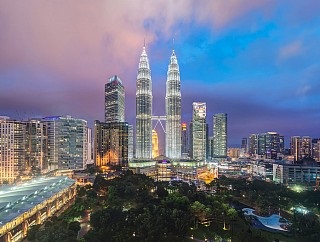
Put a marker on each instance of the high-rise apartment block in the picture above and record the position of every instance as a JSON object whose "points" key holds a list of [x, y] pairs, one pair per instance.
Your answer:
{"points": [[301, 147], [67, 142], [144, 109], [316, 149], [220, 135], [12, 149], [199, 131], [114, 100], [173, 110]]}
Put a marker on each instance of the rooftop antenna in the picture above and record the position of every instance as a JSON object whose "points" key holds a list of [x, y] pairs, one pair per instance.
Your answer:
{"points": [[172, 43], [144, 42]]}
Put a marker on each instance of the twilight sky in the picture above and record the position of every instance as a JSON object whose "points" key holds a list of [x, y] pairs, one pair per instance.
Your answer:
{"points": [[258, 61]]}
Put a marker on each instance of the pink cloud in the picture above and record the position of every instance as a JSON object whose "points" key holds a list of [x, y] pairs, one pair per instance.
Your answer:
{"points": [[290, 50], [82, 43]]}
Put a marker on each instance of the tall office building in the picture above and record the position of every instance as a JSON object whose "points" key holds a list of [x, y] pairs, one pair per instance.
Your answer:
{"points": [[199, 131], [144, 109], [155, 144], [267, 145], [173, 110], [274, 144], [184, 141], [114, 100], [220, 135], [36, 146], [261, 144], [111, 143], [12, 149], [130, 142], [67, 142], [253, 144], [244, 147]]}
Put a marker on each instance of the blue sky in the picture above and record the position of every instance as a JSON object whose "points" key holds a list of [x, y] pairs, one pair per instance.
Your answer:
{"points": [[257, 61]]}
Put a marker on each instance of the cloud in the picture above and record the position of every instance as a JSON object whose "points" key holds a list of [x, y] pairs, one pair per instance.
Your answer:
{"points": [[290, 50]]}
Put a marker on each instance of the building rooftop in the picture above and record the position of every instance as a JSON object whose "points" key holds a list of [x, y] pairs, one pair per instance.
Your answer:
{"points": [[17, 199]]}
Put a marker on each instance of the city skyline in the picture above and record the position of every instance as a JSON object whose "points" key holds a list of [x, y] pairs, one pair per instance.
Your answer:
{"points": [[257, 62]]}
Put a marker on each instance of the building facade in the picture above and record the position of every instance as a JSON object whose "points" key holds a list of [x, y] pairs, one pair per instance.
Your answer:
{"points": [[173, 110], [114, 100], [220, 135], [111, 143], [144, 109], [184, 141], [36, 146], [130, 143], [198, 131], [301, 147], [67, 142], [155, 144], [12, 149], [267, 145]]}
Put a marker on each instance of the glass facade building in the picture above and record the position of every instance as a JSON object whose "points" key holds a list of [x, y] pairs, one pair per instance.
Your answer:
{"points": [[36, 146], [173, 110], [67, 142], [144, 109], [199, 131], [219, 135], [114, 100]]}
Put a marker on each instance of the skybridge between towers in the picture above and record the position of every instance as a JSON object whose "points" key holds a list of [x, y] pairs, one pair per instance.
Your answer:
{"points": [[159, 119]]}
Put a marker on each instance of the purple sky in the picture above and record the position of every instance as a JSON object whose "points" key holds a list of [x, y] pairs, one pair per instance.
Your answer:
{"points": [[257, 60]]}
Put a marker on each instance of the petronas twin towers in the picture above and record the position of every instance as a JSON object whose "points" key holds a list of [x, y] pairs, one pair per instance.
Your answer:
{"points": [[144, 109]]}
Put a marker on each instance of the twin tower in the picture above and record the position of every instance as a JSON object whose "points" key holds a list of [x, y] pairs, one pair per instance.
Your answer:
{"points": [[144, 109]]}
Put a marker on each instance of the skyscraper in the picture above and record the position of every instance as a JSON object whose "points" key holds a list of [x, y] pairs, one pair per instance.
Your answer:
{"points": [[253, 144], [244, 147], [67, 142], [155, 144], [130, 142], [220, 135], [173, 110], [36, 145], [114, 100], [144, 109], [111, 143], [301, 147], [199, 131], [12, 149], [266, 145], [184, 141]]}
